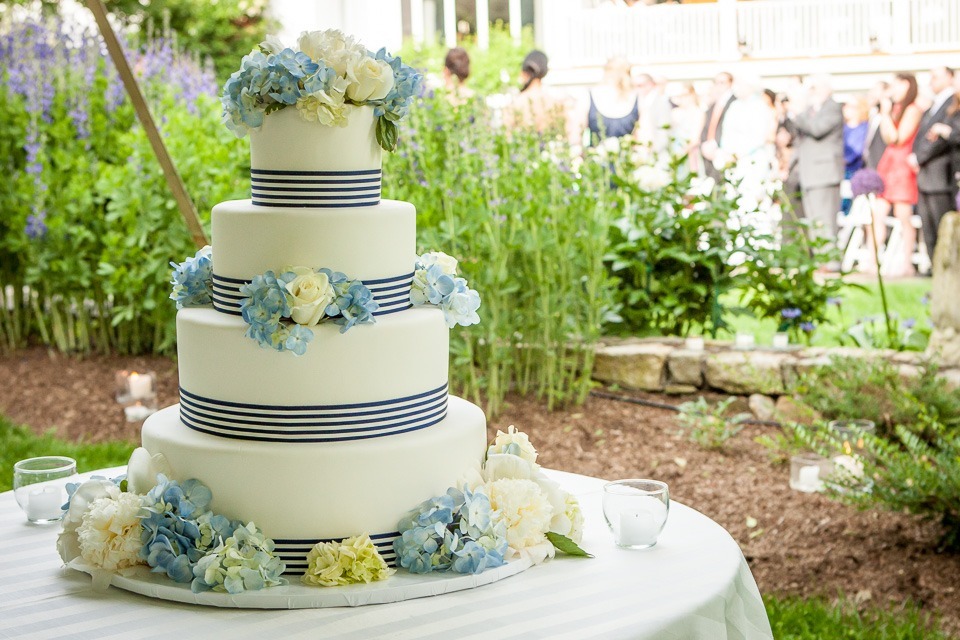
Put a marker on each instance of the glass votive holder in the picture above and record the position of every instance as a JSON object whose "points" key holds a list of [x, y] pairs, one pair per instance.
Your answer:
{"points": [[851, 434], [133, 386], [694, 343], [40, 486], [744, 341], [781, 340], [808, 471], [139, 410], [636, 511]]}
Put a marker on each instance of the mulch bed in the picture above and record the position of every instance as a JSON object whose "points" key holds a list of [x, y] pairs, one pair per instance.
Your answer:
{"points": [[801, 543]]}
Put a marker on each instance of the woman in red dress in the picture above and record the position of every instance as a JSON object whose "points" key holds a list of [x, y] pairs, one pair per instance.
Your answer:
{"points": [[899, 120]]}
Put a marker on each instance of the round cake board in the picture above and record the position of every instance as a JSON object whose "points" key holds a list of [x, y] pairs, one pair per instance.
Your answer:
{"points": [[400, 586]]}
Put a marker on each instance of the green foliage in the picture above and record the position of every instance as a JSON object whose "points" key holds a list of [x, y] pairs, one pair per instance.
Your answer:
{"points": [[18, 443], [492, 71], [708, 426], [793, 618], [853, 388], [782, 444], [530, 232], [889, 332]]}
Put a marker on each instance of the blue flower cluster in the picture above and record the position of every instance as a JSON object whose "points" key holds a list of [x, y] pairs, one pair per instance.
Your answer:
{"points": [[458, 531], [266, 307], [407, 84], [192, 280], [459, 303], [268, 82]]}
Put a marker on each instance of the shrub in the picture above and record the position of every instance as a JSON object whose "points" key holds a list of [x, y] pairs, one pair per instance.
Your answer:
{"points": [[708, 426]]}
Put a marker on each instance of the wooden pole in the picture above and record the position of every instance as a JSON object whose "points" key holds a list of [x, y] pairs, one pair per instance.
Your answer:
{"points": [[174, 181]]}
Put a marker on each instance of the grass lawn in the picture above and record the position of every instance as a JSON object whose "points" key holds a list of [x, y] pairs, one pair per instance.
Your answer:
{"points": [[791, 618], [904, 297]]}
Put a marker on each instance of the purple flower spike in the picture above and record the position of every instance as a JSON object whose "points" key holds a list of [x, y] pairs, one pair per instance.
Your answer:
{"points": [[791, 313], [808, 326]]}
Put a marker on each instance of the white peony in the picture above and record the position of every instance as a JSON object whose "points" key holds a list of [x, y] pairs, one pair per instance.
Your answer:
{"points": [[513, 442], [326, 107], [312, 293], [370, 79], [569, 522], [109, 535], [447, 264], [142, 470], [525, 509], [333, 47], [272, 45], [68, 544]]}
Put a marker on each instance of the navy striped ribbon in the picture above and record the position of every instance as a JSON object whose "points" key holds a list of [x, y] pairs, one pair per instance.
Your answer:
{"points": [[294, 552], [392, 294], [316, 423], [327, 189]]}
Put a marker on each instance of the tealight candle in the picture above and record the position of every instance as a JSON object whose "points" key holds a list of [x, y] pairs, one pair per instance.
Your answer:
{"points": [[137, 412], [849, 464], [809, 480], [781, 341], [694, 343], [44, 504], [640, 526], [744, 341]]}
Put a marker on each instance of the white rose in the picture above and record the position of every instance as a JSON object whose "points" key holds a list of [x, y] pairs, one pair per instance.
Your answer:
{"points": [[326, 107], [333, 47], [448, 264], [272, 45], [142, 470], [370, 79], [514, 442], [311, 292]]}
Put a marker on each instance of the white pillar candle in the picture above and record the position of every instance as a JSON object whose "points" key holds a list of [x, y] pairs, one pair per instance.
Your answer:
{"points": [[809, 479], [781, 341], [640, 524], [744, 341], [141, 386], [694, 344], [44, 504]]}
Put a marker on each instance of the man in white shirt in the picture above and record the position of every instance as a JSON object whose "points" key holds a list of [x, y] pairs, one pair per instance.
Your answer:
{"points": [[713, 123], [931, 157]]}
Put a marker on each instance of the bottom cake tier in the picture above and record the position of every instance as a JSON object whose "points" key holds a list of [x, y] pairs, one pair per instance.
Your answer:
{"points": [[302, 493]]}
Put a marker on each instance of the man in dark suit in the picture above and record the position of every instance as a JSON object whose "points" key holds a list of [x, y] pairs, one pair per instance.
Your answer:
{"points": [[932, 157], [713, 123]]}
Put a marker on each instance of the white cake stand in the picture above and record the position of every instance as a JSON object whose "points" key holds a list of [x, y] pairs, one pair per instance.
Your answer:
{"points": [[400, 586]]}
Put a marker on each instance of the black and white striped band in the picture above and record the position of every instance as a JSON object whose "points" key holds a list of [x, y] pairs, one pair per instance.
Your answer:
{"points": [[324, 189], [294, 552], [317, 423], [392, 294]]}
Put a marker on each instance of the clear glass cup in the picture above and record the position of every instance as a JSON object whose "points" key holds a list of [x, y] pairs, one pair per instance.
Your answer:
{"points": [[851, 432], [808, 471], [40, 486], [636, 511]]}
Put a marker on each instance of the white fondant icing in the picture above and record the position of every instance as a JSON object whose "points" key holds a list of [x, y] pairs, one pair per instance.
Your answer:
{"points": [[287, 142], [368, 242], [401, 355], [315, 491]]}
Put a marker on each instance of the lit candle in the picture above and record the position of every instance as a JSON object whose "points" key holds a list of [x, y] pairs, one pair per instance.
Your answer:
{"points": [[141, 386], [137, 412], [781, 341], [849, 464], [744, 341], [694, 344], [640, 525], [809, 479], [44, 504]]}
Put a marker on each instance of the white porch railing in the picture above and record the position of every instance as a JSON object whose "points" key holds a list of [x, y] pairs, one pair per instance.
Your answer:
{"points": [[757, 29]]}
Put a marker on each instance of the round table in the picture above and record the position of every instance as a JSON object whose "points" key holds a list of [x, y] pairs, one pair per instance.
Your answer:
{"points": [[694, 583]]}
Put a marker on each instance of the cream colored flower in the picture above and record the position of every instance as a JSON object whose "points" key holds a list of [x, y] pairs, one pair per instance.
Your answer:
{"points": [[370, 79], [312, 293], [272, 44], [513, 442], [447, 264], [326, 107], [333, 47], [109, 535], [142, 470], [525, 509], [86, 494], [353, 560], [569, 522]]}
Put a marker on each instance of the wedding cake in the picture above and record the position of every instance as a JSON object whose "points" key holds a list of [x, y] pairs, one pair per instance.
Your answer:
{"points": [[346, 437]]}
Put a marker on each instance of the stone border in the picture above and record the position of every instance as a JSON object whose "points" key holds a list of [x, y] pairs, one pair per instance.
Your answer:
{"points": [[664, 365]]}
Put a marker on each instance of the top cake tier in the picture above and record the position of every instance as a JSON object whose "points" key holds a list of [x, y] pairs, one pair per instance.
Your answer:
{"points": [[295, 163]]}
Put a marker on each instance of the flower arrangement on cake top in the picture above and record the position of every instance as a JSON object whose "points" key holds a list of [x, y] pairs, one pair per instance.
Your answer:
{"points": [[324, 77], [110, 527]]}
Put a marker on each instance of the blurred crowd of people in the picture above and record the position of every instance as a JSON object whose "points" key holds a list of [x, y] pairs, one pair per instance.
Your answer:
{"points": [[804, 140]]}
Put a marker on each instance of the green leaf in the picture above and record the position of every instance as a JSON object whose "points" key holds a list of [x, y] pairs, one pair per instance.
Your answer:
{"points": [[387, 133], [566, 545]]}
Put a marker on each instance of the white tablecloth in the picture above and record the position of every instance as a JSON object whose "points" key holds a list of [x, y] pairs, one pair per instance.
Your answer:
{"points": [[694, 583]]}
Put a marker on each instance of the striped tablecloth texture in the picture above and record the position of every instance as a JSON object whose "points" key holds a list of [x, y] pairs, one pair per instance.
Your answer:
{"points": [[694, 584]]}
